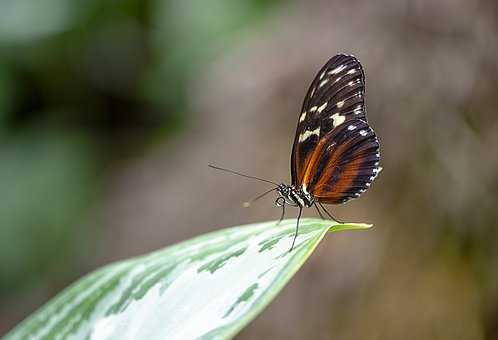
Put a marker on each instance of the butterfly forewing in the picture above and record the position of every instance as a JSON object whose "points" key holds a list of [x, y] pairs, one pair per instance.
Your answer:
{"points": [[344, 163], [335, 96]]}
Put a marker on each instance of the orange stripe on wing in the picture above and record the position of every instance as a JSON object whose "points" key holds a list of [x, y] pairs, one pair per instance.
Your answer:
{"points": [[343, 184], [310, 170]]}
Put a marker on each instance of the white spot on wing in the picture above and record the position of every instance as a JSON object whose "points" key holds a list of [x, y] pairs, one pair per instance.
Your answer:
{"points": [[338, 119], [303, 117], [351, 71], [375, 173], [321, 108], [338, 69], [313, 109], [307, 134], [352, 127], [363, 133], [323, 82], [340, 104]]}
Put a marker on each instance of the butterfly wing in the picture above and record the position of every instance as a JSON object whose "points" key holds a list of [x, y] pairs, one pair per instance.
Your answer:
{"points": [[343, 164], [335, 96]]}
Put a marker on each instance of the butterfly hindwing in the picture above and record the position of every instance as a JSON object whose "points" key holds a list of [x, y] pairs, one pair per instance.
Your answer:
{"points": [[344, 163], [335, 96]]}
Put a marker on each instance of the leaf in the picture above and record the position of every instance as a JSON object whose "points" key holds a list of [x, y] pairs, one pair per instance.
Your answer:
{"points": [[207, 287]]}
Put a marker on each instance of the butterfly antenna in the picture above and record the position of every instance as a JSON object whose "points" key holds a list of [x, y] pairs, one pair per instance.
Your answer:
{"points": [[248, 203], [241, 174]]}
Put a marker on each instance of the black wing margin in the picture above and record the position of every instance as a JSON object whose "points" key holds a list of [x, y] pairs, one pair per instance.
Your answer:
{"points": [[335, 96]]}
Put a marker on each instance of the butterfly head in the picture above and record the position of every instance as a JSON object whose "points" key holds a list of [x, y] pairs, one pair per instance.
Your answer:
{"points": [[289, 195]]}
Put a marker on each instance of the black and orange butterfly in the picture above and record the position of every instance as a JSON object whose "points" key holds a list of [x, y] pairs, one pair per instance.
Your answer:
{"points": [[335, 156]]}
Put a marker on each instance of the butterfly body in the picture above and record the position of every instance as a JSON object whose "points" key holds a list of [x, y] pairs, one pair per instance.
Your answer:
{"points": [[296, 197], [335, 155]]}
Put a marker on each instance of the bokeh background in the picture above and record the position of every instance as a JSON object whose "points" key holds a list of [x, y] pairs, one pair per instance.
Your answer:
{"points": [[111, 110]]}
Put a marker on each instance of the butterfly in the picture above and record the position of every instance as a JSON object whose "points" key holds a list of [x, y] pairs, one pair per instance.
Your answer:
{"points": [[335, 156]]}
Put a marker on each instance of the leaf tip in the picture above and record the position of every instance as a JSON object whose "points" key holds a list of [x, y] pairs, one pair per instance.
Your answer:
{"points": [[350, 226]]}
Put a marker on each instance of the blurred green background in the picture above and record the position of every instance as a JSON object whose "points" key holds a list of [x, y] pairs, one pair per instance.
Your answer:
{"points": [[110, 112]]}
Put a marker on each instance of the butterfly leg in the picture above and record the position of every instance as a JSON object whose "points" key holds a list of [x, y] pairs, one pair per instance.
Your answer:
{"points": [[280, 202], [282, 215], [319, 212], [329, 214], [297, 228]]}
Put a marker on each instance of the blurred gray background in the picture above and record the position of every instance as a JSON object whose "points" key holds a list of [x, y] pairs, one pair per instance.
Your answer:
{"points": [[110, 112]]}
